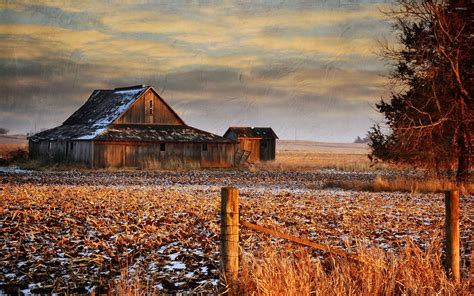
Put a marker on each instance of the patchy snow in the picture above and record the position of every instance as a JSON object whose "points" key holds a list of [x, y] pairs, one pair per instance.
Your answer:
{"points": [[94, 134], [130, 92], [175, 265], [14, 170]]}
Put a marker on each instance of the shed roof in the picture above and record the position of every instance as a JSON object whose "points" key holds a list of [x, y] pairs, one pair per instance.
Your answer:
{"points": [[159, 133], [265, 132], [249, 132]]}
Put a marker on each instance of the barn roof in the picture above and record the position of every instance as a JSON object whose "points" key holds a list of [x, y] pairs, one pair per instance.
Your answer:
{"points": [[159, 133], [69, 132], [104, 106], [249, 132]]}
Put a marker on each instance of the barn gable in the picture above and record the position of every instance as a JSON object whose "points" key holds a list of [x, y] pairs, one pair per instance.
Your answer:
{"points": [[149, 108]]}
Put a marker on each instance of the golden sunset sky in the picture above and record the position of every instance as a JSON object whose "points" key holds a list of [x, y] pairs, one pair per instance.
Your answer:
{"points": [[308, 69]]}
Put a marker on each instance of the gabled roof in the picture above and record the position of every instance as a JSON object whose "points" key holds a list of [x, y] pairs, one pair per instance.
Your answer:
{"points": [[102, 108], [265, 132], [239, 132], [248, 132], [159, 133]]}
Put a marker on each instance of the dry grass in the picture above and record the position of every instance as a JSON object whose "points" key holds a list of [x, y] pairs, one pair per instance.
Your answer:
{"points": [[304, 161], [411, 272], [404, 184], [7, 149]]}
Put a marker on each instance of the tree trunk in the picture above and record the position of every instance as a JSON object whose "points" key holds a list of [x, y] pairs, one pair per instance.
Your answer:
{"points": [[462, 174]]}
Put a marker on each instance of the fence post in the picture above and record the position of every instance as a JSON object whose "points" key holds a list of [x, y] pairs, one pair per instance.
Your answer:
{"points": [[230, 233], [452, 235]]}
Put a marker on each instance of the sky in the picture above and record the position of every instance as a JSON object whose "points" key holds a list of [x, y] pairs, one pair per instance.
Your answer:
{"points": [[308, 69]]}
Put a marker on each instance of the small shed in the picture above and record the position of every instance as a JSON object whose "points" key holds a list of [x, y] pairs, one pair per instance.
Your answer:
{"points": [[258, 143]]}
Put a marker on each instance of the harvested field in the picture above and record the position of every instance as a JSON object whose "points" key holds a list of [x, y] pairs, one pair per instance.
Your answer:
{"points": [[78, 232]]}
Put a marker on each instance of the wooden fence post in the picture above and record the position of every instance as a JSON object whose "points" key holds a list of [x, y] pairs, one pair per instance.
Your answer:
{"points": [[452, 235], [230, 233]]}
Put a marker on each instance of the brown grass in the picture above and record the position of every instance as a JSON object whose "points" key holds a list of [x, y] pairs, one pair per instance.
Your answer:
{"points": [[10, 153], [404, 184], [411, 272], [6, 149], [301, 160]]}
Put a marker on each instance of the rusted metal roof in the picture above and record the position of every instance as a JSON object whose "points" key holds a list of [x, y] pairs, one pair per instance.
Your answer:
{"points": [[249, 132], [159, 133]]}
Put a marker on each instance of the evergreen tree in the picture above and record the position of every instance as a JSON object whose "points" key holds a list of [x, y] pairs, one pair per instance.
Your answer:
{"points": [[429, 116]]}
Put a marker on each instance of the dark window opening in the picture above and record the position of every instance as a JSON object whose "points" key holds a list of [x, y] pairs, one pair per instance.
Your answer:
{"points": [[71, 146], [150, 110], [162, 147], [204, 147]]}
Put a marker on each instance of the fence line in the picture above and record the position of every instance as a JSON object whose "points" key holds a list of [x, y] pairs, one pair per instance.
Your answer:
{"points": [[300, 241], [230, 235]]}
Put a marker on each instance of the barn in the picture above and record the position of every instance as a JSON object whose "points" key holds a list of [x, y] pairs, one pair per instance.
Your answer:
{"points": [[131, 127], [255, 144]]}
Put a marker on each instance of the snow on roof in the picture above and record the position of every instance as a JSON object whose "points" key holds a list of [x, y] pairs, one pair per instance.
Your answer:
{"points": [[101, 109], [104, 106]]}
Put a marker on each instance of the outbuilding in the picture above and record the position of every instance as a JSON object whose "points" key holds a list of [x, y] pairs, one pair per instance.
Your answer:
{"points": [[256, 144]]}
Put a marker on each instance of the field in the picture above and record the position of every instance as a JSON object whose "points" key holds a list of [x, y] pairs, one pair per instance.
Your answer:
{"points": [[102, 231]]}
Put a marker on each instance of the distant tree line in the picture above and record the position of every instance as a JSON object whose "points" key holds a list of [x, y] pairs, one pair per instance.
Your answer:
{"points": [[360, 140]]}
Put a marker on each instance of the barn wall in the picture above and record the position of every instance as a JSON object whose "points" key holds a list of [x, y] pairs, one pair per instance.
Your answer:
{"points": [[80, 152], [149, 156], [139, 112], [267, 149], [61, 151], [252, 145], [34, 149]]}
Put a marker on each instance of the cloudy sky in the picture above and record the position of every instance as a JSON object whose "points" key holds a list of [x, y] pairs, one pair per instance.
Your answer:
{"points": [[309, 69]]}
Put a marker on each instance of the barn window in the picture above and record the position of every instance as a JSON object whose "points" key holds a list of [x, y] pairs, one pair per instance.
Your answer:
{"points": [[204, 147], [71, 146], [150, 108], [162, 147]]}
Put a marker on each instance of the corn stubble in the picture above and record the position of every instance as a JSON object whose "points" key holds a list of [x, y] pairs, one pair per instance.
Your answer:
{"points": [[146, 239]]}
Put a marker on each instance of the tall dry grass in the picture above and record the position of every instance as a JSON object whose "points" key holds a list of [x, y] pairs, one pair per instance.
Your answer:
{"points": [[403, 184], [411, 272]]}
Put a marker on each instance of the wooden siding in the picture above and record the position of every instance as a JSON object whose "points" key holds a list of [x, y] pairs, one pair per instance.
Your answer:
{"points": [[61, 151], [175, 156], [267, 149], [139, 112], [252, 145]]}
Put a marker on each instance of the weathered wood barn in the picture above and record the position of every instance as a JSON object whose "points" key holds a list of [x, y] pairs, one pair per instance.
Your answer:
{"points": [[257, 144], [131, 127]]}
